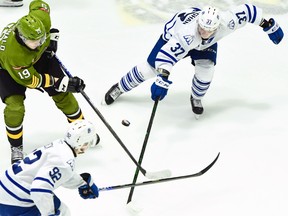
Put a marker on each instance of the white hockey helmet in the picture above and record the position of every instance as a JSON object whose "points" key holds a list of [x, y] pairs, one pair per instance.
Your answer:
{"points": [[209, 18], [80, 133]]}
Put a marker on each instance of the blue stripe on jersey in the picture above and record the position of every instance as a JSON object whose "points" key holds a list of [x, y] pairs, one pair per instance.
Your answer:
{"points": [[14, 195], [166, 28], [255, 14], [249, 12], [16, 184], [168, 55], [41, 190], [251, 15], [164, 60], [44, 179]]}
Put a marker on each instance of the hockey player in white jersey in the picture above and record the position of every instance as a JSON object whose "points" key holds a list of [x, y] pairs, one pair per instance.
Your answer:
{"points": [[26, 188], [192, 33]]}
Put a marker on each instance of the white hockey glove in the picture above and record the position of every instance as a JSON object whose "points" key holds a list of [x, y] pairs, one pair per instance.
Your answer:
{"points": [[53, 46]]}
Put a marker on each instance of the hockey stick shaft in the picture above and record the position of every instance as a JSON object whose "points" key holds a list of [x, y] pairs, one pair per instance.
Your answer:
{"points": [[143, 149], [143, 171], [161, 180]]}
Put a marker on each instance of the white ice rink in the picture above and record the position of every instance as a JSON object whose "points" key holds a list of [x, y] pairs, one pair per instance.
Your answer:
{"points": [[246, 117]]}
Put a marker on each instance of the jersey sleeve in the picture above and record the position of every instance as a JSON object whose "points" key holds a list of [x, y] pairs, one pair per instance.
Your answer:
{"points": [[45, 182], [74, 182], [247, 13]]}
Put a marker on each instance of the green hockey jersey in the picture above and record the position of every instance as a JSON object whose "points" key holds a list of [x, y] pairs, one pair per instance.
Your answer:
{"points": [[17, 58]]}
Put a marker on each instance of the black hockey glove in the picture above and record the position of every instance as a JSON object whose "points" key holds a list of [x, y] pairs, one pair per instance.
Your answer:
{"points": [[75, 84], [54, 37], [72, 84], [89, 190]]}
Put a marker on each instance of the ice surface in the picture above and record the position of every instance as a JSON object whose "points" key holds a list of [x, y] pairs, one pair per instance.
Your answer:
{"points": [[245, 118]]}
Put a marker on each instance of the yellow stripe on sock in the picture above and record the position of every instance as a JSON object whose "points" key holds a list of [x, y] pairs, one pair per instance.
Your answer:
{"points": [[14, 136], [72, 120]]}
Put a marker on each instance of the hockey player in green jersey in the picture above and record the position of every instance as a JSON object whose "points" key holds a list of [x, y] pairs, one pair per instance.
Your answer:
{"points": [[27, 60]]}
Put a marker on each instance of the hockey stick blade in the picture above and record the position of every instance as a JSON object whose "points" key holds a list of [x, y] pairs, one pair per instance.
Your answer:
{"points": [[158, 175], [161, 180]]}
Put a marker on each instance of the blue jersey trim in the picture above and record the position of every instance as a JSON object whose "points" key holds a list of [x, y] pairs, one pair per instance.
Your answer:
{"points": [[16, 184], [14, 195], [41, 190], [168, 55], [45, 180]]}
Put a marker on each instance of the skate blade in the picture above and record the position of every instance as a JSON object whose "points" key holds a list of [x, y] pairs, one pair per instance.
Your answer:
{"points": [[197, 116], [103, 102]]}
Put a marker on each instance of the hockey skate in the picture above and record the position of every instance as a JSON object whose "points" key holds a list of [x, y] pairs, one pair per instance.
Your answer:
{"points": [[197, 107], [113, 93], [11, 3], [16, 154]]}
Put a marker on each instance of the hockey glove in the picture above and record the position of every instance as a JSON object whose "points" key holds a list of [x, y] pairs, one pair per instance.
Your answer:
{"points": [[160, 87], [54, 37], [89, 190], [274, 31], [72, 84]]}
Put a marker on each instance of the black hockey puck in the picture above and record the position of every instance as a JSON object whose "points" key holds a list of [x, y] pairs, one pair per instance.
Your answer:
{"points": [[125, 122]]}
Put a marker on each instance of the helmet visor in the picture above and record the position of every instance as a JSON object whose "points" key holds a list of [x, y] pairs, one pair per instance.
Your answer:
{"points": [[33, 44]]}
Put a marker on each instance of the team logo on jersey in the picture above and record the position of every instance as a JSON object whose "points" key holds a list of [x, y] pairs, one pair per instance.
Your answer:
{"points": [[188, 38], [71, 163], [231, 24]]}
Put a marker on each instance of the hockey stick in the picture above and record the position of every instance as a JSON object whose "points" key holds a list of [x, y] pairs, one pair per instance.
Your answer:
{"points": [[160, 180], [143, 149], [150, 175]]}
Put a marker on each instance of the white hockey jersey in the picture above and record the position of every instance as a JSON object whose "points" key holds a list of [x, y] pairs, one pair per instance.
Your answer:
{"points": [[33, 180], [181, 32]]}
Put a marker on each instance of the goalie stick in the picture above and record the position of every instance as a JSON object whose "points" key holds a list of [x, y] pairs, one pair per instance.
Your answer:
{"points": [[149, 175], [160, 180]]}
